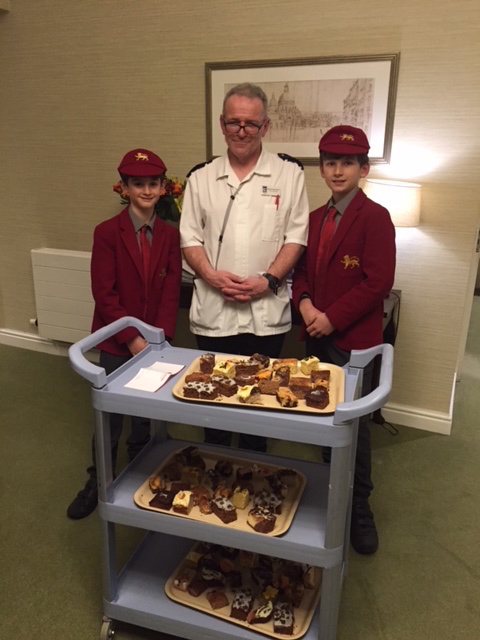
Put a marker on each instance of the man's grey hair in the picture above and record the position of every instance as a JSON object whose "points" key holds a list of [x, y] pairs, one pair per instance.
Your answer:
{"points": [[248, 90]]}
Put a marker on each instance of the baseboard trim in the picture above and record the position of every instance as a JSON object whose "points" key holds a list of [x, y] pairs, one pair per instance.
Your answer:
{"points": [[405, 416], [33, 342]]}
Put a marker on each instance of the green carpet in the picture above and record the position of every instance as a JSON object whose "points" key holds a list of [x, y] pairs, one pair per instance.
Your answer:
{"points": [[424, 582]]}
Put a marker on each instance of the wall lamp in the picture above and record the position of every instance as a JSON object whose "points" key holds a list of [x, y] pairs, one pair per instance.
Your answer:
{"points": [[402, 199]]}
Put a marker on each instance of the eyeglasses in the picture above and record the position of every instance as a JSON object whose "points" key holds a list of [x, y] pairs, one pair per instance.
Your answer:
{"points": [[250, 128]]}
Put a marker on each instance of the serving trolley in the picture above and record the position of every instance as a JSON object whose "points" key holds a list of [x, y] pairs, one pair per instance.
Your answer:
{"points": [[319, 532]]}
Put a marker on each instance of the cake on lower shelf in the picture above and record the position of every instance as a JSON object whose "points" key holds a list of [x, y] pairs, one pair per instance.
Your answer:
{"points": [[263, 593]]}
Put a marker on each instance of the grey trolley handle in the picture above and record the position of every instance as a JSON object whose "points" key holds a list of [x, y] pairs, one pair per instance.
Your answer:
{"points": [[378, 397], [91, 372]]}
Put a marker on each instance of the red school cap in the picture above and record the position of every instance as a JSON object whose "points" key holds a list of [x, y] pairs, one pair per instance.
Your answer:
{"points": [[344, 140], [141, 163]]}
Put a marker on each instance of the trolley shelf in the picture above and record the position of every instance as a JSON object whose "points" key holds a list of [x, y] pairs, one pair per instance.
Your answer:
{"points": [[142, 600], [303, 542]]}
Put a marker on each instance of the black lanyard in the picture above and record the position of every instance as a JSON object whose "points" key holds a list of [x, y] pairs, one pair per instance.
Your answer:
{"points": [[225, 220]]}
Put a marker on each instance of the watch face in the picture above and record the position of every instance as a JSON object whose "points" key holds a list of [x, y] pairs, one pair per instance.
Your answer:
{"points": [[273, 282]]}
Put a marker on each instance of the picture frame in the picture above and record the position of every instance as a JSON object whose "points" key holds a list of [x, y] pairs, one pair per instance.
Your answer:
{"points": [[308, 96]]}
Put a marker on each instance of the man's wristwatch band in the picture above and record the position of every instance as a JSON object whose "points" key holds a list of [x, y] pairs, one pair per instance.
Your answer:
{"points": [[273, 282]]}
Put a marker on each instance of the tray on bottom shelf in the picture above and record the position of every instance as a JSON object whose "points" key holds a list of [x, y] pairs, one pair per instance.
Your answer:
{"points": [[262, 477], [294, 594]]}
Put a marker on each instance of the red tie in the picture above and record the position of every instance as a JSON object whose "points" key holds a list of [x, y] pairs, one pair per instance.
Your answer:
{"points": [[146, 250], [326, 236]]}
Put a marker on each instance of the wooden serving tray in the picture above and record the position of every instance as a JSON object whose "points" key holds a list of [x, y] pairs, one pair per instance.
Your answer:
{"points": [[143, 495], [302, 615], [336, 390]]}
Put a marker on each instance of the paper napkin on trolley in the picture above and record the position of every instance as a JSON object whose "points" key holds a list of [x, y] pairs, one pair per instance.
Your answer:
{"points": [[152, 378]]}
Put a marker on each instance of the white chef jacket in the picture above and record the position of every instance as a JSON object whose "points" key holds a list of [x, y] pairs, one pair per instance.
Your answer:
{"points": [[270, 209]]}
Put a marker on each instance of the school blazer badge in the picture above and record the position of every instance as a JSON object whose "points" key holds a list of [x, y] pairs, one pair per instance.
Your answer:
{"points": [[350, 262]]}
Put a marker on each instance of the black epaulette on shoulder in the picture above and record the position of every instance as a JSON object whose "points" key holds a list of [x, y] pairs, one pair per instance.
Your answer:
{"points": [[198, 166], [285, 156]]}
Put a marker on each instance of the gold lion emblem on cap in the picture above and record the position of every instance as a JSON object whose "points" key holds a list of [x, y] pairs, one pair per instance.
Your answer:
{"points": [[347, 136], [350, 262], [141, 156]]}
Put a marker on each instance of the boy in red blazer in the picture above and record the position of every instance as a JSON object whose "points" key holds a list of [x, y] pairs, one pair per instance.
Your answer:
{"points": [[136, 271], [339, 285]]}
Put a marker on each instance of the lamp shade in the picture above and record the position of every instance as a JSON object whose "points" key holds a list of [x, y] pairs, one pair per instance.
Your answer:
{"points": [[402, 199]]}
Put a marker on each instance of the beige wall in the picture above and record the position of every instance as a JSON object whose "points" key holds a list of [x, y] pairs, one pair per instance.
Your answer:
{"points": [[83, 82]]}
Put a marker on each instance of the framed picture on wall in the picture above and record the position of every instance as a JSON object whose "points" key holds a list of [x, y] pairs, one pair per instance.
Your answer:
{"points": [[308, 96]]}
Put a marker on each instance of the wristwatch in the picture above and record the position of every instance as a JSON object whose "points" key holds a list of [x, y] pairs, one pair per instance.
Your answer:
{"points": [[273, 282]]}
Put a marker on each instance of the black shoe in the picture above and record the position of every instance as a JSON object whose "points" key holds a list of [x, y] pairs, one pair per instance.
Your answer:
{"points": [[363, 532], [85, 502]]}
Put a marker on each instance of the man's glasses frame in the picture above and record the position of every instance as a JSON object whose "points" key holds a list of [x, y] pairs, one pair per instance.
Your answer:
{"points": [[249, 128]]}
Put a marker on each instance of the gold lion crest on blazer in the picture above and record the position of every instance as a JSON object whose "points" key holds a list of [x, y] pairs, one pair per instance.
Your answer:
{"points": [[350, 262]]}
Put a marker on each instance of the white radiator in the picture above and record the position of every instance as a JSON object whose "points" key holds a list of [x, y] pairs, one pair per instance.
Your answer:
{"points": [[63, 294]]}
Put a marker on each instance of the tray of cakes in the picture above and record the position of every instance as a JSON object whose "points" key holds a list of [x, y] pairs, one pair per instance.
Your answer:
{"points": [[306, 385], [224, 490], [264, 594]]}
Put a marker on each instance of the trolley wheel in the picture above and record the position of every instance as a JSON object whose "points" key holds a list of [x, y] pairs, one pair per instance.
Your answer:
{"points": [[107, 631]]}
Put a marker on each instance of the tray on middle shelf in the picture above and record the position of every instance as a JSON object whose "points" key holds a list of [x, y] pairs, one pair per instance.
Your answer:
{"points": [[282, 489]]}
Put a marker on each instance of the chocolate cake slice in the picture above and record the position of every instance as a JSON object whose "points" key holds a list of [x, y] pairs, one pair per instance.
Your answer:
{"points": [[261, 614], [283, 618], [242, 604]]}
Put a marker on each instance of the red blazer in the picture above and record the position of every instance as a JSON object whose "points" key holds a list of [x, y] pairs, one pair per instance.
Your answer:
{"points": [[358, 274], [117, 279]]}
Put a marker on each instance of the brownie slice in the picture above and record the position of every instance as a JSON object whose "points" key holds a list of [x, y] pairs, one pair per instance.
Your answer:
{"points": [[289, 476], [191, 457], [163, 500], [245, 379], [212, 577], [300, 386], [262, 576], [192, 390], [246, 367], [192, 475], [261, 520], [318, 398], [262, 614], [197, 586], [224, 509], [242, 604], [234, 579], [208, 391], [269, 500], [200, 492], [180, 486], [264, 361], [322, 374], [183, 578], [198, 376], [224, 468], [269, 387], [283, 618], [217, 599], [207, 362], [225, 386]]}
